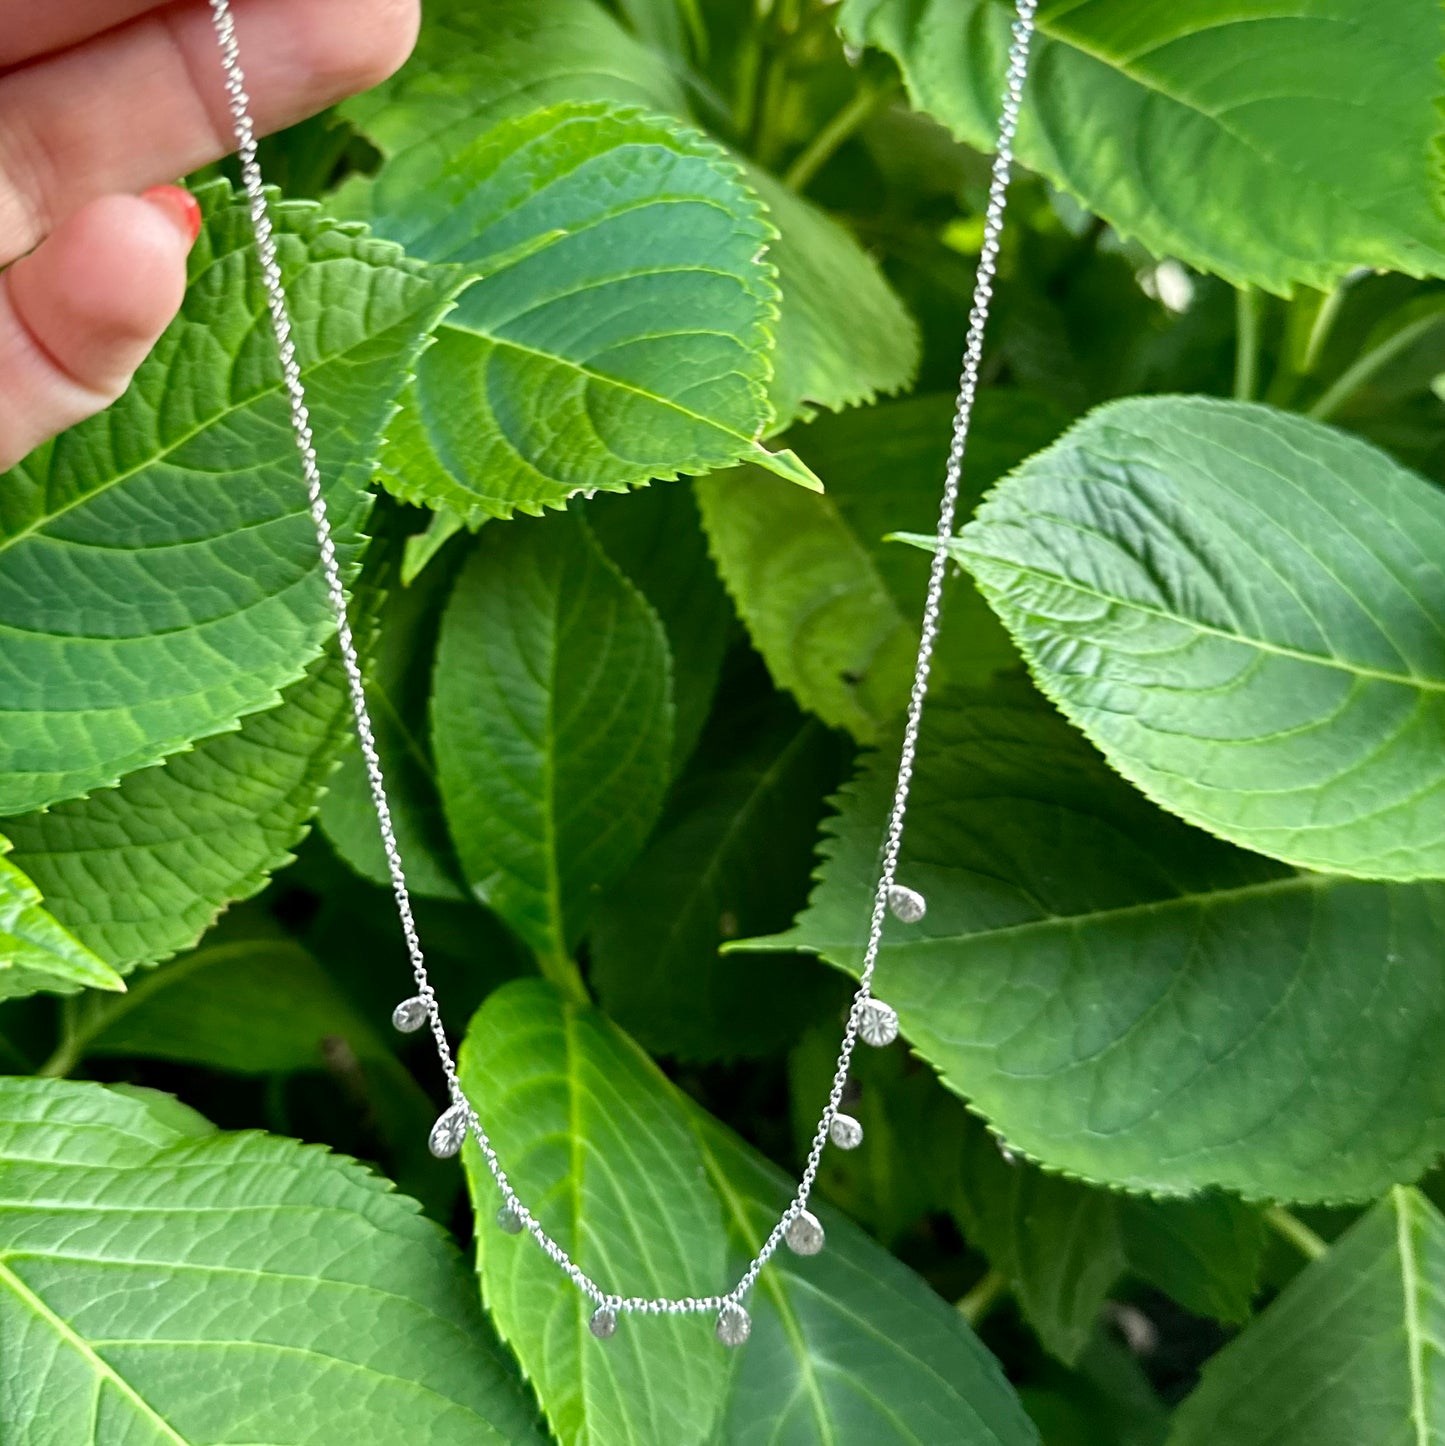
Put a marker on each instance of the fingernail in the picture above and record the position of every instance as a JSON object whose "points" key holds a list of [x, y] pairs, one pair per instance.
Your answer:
{"points": [[180, 206]]}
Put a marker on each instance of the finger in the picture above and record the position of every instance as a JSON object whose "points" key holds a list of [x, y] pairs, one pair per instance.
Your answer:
{"points": [[79, 314], [145, 102], [35, 27]]}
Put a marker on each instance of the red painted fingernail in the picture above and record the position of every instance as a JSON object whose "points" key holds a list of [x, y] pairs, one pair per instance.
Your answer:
{"points": [[180, 206]]}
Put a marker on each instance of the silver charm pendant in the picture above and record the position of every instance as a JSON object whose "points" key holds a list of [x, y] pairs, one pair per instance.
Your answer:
{"points": [[734, 1325], [877, 1023], [448, 1133], [603, 1324], [845, 1132], [805, 1234], [908, 905], [511, 1222], [409, 1015]]}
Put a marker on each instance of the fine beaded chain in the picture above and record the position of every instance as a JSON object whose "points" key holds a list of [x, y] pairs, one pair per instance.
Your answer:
{"points": [[869, 1019]]}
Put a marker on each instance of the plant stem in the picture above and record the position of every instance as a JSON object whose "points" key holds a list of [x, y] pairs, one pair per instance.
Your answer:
{"points": [[820, 150], [1293, 1229], [1246, 343], [67, 1051], [1324, 324], [976, 1305], [560, 969], [1354, 377]]}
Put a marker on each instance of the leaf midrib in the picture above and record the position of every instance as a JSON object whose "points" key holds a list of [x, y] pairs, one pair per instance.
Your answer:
{"points": [[1414, 1334], [1298, 655], [1300, 881], [603, 379], [791, 1327], [84, 1349]]}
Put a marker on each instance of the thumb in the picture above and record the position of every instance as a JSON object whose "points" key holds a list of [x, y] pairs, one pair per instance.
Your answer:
{"points": [[79, 314]]}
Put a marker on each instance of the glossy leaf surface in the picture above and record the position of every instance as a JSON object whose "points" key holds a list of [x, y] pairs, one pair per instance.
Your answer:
{"points": [[1229, 135], [1128, 999], [1243, 609]]}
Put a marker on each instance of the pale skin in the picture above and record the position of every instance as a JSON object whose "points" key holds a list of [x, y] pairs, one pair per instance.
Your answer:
{"points": [[102, 104]]}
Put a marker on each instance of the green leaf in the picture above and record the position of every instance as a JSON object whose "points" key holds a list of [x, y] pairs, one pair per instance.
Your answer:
{"points": [[1107, 1401], [551, 725], [1125, 998], [830, 353], [1242, 609], [158, 576], [422, 547], [599, 1148], [475, 67], [263, 1005], [915, 1131], [472, 68], [730, 858], [397, 689], [36, 952], [1350, 1352], [1231, 136], [848, 1347], [835, 609], [656, 539], [161, 1282], [250, 1005], [1065, 1245], [553, 375], [141, 871]]}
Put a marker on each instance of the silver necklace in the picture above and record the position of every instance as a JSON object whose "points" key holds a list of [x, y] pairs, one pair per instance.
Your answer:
{"points": [[869, 1019]]}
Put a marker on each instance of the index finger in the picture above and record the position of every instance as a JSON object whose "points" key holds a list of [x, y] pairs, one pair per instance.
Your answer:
{"points": [[145, 102], [30, 28]]}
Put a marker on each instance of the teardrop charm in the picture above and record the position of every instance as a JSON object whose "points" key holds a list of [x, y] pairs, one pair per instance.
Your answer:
{"points": [[509, 1220], [804, 1234], [409, 1015], [734, 1324], [603, 1323], [878, 1023], [448, 1133], [907, 904], [845, 1132]]}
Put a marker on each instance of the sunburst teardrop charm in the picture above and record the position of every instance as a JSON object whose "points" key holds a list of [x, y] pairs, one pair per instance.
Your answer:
{"points": [[845, 1132], [409, 1015], [603, 1324], [509, 1220], [908, 905], [734, 1324], [877, 1023], [804, 1234], [448, 1133]]}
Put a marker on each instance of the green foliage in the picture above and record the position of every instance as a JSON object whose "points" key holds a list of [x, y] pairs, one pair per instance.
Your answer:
{"points": [[476, 65], [1126, 998], [1242, 609], [151, 601], [552, 725], [1350, 1352], [141, 871], [591, 298], [224, 1283], [546, 206], [37, 952], [831, 605], [1174, 123], [851, 1347]]}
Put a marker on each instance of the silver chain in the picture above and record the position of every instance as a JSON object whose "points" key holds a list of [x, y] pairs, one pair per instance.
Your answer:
{"points": [[513, 1211]]}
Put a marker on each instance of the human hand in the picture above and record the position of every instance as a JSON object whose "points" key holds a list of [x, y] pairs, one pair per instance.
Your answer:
{"points": [[100, 100]]}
